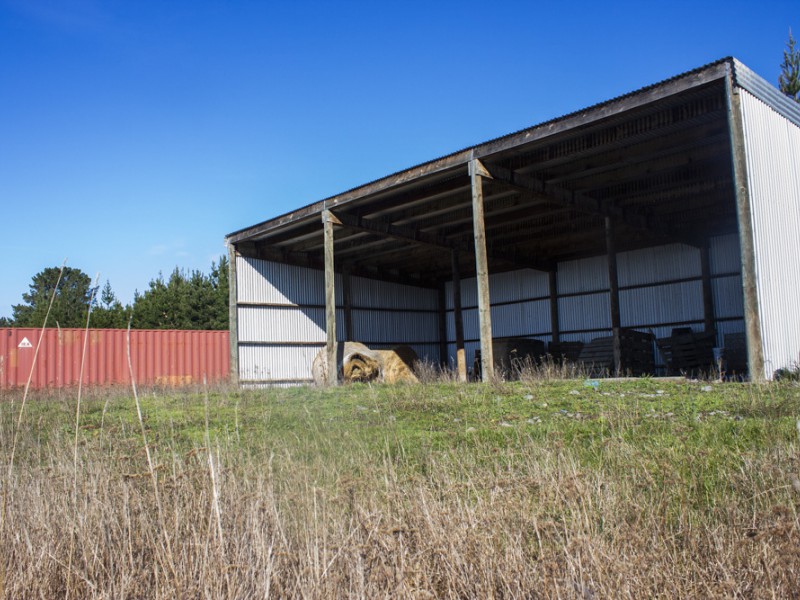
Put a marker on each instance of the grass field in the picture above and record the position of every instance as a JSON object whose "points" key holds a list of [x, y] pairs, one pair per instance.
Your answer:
{"points": [[632, 489]]}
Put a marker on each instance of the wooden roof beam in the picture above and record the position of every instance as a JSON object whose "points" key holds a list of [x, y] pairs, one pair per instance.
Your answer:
{"points": [[584, 203]]}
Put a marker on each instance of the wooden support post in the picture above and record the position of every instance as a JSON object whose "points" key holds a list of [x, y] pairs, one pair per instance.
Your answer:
{"points": [[613, 280], [752, 316], [442, 326], [555, 330], [332, 374], [708, 298], [348, 303], [458, 318], [476, 173], [233, 315]]}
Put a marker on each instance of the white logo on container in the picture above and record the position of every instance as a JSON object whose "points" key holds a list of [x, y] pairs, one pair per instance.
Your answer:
{"points": [[25, 343]]}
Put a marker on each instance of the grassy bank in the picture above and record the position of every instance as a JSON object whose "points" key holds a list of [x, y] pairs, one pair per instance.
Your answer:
{"points": [[547, 489]]}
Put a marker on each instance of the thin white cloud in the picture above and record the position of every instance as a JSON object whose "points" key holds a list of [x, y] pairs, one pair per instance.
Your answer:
{"points": [[67, 15]]}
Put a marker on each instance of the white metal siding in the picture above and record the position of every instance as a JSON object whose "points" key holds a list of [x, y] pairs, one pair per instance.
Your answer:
{"points": [[661, 290], [395, 327], [661, 263], [275, 283], [275, 324], [724, 255], [380, 294], [728, 298], [275, 363], [281, 318], [503, 287], [772, 148], [584, 275], [671, 303]]}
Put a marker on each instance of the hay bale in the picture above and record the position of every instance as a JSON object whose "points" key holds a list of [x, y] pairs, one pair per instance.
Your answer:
{"points": [[363, 365], [354, 360], [398, 365]]}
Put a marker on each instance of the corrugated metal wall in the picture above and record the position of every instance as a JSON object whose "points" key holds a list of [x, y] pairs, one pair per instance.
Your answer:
{"points": [[281, 319], [772, 147], [158, 357], [660, 288]]}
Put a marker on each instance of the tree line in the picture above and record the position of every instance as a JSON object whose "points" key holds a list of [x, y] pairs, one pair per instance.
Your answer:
{"points": [[184, 300]]}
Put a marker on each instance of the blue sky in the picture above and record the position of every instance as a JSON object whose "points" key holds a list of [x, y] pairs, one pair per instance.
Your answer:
{"points": [[134, 135]]}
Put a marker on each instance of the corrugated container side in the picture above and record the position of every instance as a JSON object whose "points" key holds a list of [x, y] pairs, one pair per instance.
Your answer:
{"points": [[772, 148], [160, 357]]}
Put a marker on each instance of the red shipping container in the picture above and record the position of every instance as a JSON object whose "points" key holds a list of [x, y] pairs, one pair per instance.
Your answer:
{"points": [[158, 357]]}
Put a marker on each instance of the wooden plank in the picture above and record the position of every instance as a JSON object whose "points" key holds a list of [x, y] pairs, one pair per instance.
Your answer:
{"points": [[476, 173], [330, 301], [613, 280], [586, 204], [310, 261], [387, 229], [458, 317], [752, 317], [233, 315]]}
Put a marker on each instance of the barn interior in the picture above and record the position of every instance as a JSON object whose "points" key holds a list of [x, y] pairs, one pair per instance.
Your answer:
{"points": [[651, 168]]}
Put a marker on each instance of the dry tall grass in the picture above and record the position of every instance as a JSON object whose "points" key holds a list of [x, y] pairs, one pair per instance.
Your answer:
{"points": [[327, 517]]}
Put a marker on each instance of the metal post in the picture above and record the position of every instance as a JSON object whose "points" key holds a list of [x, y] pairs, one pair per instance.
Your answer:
{"points": [[613, 280], [476, 172], [331, 375], [458, 318]]}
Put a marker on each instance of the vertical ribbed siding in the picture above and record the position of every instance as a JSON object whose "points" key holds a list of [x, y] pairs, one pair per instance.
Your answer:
{"points": [[370, 293], [673, 303], [282, 319], [584, 275], [267, 282], [661, 263], [503, 287], [772, 148], [725, 257], [161, 357], [661, 285]]}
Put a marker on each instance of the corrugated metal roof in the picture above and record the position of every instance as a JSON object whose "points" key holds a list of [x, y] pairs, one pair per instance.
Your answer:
{"points": [[765, 91], [746, 73]]}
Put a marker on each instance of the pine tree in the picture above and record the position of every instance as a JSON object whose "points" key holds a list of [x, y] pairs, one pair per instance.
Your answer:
{"points": [[109, 313], [70, 305], [789, 79], [186, 300]]}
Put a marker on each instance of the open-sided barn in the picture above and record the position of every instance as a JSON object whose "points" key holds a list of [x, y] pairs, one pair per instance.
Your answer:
{"points": [[672, 211]]}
